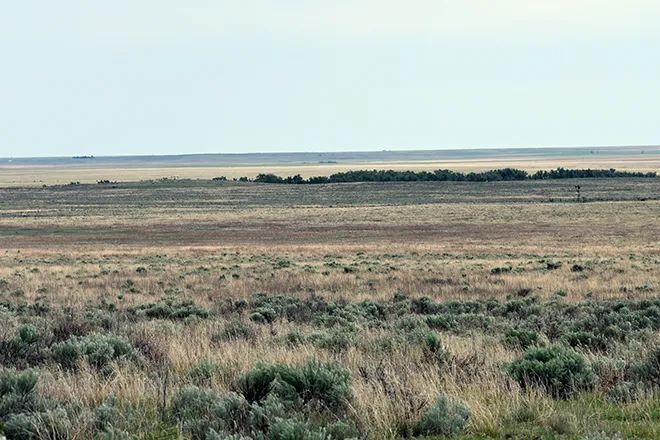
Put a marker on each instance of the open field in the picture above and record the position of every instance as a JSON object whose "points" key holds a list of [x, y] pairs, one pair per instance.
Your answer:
{"points": [[57, 171], [147, 308]]}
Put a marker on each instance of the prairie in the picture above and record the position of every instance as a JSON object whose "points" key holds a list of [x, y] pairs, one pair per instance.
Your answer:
{"points": [[134, 301], [60, 171]]}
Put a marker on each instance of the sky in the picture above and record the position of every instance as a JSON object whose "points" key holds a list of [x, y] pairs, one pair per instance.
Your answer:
{"points": [[119, 77]]}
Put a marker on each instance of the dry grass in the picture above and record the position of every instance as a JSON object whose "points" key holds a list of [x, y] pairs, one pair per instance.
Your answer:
{"points": [[341, 253]]}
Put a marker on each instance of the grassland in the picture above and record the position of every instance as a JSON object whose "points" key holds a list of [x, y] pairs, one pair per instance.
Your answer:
{"points": [[417, 289], [58, 171]]}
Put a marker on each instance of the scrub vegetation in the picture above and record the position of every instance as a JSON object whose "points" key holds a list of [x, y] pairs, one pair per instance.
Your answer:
{"points": [[236, 310]]}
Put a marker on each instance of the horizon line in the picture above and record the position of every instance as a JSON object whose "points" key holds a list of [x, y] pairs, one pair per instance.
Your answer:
{"points": [[90, 156]]}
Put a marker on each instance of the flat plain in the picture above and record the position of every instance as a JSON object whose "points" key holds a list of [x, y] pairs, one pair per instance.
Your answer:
{"points": [[63, 170], [155, 308]]}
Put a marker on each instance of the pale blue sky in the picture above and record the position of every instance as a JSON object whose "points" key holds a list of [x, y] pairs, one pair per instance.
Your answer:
{"points": [[164, 77]]}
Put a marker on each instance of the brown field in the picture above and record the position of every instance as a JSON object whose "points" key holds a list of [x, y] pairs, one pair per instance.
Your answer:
{"points": [[78, 249]]}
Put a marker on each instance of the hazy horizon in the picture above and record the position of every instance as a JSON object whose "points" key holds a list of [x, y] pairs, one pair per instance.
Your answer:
{"points": [[209, 77]]}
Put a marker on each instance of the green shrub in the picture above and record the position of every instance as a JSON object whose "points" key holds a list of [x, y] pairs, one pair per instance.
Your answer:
{"points": [[500, 270], [100, 351], [203, 373], [264, 315], [523, 339], [625, 392], [194, 409], [446, 418], [17, 394], [434, 349], [559, 370], [235, 330], [28, 334], [49, 424], [169, 309], [27, 349], [648, 370], [553, 265], [441, 322], [295, 338], [336, 340], [257, 383], [314, 385], [587, 340], [24, 414]]}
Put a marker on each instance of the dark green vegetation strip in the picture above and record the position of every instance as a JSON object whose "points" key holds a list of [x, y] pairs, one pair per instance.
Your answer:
{"points": [[506, 174]]}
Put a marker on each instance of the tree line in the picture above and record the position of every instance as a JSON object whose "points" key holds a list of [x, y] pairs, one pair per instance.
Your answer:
{"points": [[505, 174]]}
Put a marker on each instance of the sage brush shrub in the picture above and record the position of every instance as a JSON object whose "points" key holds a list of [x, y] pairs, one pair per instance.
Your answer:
{"points": [[100, 351], [235, 330], [17, 392], [204, 372], [520, 338], [447, 417], [24, 415], [318, 385], [648, 370], [49, 424], [559, 370], [256, 384], [27, 349], [434, 349], [314, 385], [194, 408], [169, 309], [625, 392]]}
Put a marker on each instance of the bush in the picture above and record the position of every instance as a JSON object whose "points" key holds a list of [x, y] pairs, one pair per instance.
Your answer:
{"points": [[192, 407], [522, 339], [100, 351], [317, 385], [610, 372], [553, 265], [585, 339], [203, 373], [434, 349], [500, 270], [17, 393], [169, 309], [264, 315], [648, 371], [447, 418], [235, 330], [203, 411], [337, 340], [25, 350], [50, 424], [314, 385], [24, 414], [256, 384], [559, 370], [625, 392]]}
